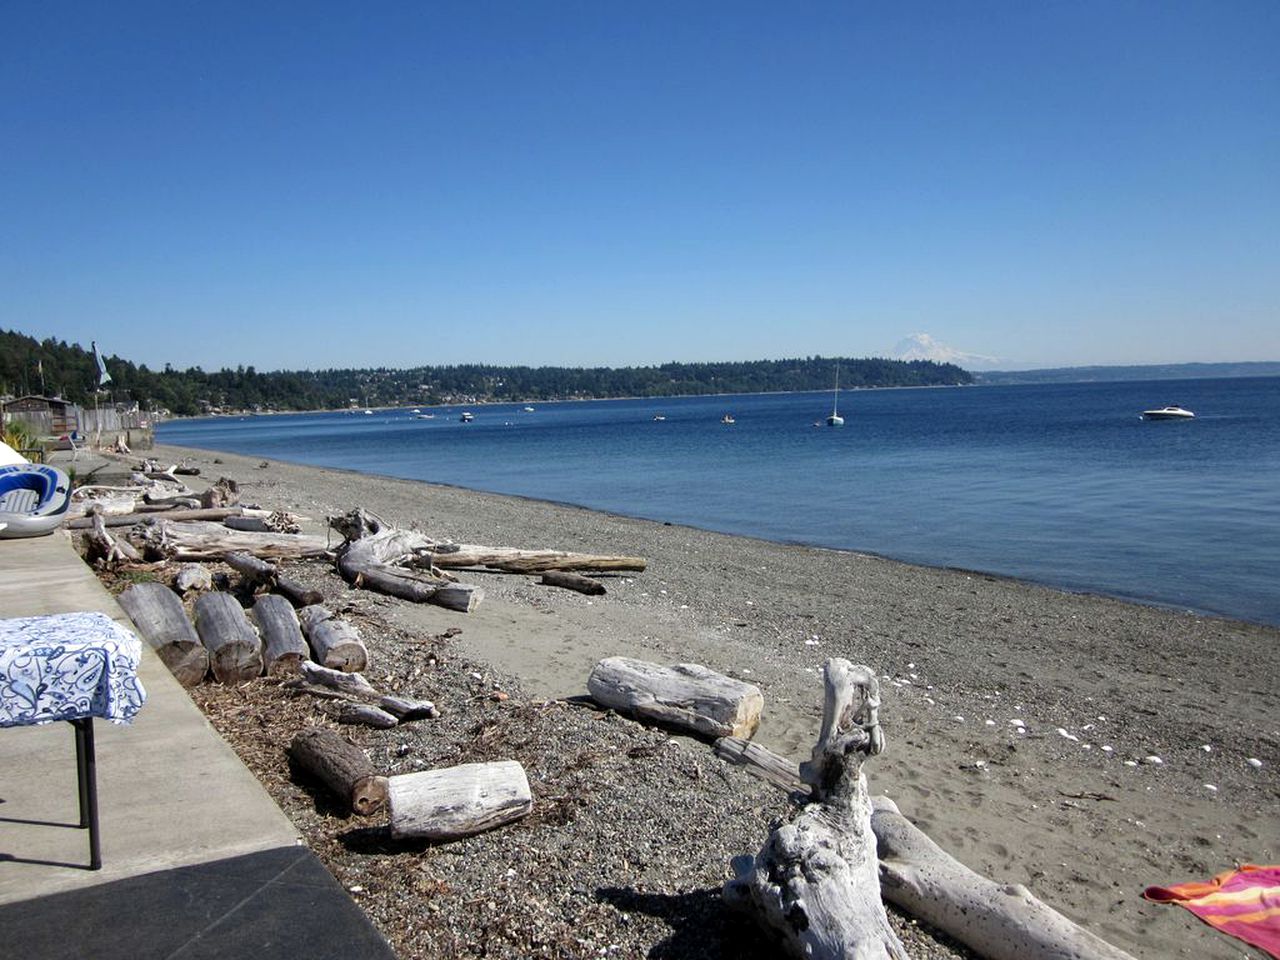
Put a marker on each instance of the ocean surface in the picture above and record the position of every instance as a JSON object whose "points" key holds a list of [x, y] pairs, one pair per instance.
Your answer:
{"points": [[1062, 484]]}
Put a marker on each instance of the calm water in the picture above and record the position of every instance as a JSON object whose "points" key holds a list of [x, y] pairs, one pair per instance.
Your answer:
{"points": [[1063, 484]]}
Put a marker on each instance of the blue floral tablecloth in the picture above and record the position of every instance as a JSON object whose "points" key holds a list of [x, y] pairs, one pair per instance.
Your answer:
{"points": [[67, 667]]}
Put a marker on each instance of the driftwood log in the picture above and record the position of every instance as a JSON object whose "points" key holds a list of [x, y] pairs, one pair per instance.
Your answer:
{"points": [[998, 921], [687, 696], [196, 540], [815, 884], [458, 801], [573, 581], [284, 649], [367, 715], [235, 649], [142, 516], [405, 710], [762, 762], [260, 573], [378, 557], [335, 643], [157, 613], [342, 767], [347, 686], [513, 560]]}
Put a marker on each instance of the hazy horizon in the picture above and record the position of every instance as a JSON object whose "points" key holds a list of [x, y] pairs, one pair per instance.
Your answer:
{"points": [[583, 185]]}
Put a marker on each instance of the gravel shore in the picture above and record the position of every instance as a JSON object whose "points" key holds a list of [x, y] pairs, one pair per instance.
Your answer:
{"points": [[1023, 727]]}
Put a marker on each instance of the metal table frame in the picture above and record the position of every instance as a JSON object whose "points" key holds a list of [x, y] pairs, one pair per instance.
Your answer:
{"points": [[87, 780]]}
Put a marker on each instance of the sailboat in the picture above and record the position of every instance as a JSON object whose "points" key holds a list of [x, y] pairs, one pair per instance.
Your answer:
{"points": [[835, 420]]}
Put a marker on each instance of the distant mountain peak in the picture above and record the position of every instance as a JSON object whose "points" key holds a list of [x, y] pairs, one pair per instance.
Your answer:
{"points": [[921, 346]]}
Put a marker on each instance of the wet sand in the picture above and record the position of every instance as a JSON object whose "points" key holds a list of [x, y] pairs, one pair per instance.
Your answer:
{"points": [[1020, 720]]}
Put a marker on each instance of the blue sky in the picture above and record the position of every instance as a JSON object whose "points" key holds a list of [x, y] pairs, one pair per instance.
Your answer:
{"points": [[395, 184]]}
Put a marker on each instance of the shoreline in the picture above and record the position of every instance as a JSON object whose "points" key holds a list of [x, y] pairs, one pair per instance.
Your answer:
{"points": [[963, 655], [1146, 601]]}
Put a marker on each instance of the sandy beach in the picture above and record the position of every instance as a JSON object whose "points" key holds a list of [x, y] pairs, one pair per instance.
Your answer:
{"points": [[1023, 727]]}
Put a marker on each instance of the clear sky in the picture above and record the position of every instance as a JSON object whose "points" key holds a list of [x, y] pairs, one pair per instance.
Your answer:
{"points": [[394, 184]]}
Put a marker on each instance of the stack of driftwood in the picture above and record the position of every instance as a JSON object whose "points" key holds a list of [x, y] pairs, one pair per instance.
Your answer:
{"points": [[289, 631]]}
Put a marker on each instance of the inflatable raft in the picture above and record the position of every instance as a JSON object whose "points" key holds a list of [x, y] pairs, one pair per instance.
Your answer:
{"points": [[33, 499]]}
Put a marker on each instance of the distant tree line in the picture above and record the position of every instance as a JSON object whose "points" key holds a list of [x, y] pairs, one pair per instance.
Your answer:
{"points": [[53, 366]]}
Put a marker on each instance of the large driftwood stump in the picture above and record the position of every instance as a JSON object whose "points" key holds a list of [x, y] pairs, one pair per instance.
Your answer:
{"points": [[686, 695], [998, 921], [379, 557], [284, 649], [335, 643], [235, 649], [342, 767], [157, 613], [458, 801], [815, 885]]}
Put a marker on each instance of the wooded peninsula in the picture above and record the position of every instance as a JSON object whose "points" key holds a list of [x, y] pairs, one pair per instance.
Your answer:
{"points": [[54, 367]]}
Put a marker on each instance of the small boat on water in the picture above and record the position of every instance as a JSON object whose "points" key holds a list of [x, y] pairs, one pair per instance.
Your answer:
{"points": [[1168, 413], [728, 418], [424, 416], [528, 409], [467, 416], [835, 420], [658, 418], [33, 500]]}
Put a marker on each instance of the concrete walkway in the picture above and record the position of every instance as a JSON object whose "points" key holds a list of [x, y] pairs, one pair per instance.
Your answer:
{"points": [[181, 817]]}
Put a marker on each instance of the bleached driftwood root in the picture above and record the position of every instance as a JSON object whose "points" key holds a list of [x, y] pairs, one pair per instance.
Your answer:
{"points": [[998, 921], [815, 884], [380, 557], [686, 695]]}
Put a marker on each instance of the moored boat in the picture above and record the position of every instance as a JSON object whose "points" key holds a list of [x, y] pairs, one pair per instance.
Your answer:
{"points": [[33, 499]]}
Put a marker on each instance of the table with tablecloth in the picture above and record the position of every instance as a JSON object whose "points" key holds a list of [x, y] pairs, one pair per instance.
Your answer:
{"points": [[72, 667]]}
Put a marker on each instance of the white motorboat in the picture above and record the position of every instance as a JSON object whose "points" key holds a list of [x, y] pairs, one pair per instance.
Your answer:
{"points": [[728, 418], [467, 416], [1168, 413]]}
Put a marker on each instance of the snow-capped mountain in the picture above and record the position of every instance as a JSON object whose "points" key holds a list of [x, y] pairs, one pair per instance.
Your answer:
{"points": [[921, 346]]}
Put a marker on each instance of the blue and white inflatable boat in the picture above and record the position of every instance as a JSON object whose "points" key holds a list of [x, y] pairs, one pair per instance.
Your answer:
{"points": [[33, 499]]}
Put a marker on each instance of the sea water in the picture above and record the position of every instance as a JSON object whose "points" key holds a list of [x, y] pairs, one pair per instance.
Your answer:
{"points": [[1062, 484]]}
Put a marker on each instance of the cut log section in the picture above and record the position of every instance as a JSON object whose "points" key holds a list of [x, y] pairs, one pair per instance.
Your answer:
{"points": [[687, 696], [573, 581], [335, 643], [235, 649], [342, 767], [998, 921], [157, 613], [814, 885], [282, 636], [457, 802]]}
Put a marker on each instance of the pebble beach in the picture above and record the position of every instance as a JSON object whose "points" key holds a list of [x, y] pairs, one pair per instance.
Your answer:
{"points": [[1083, 746]]}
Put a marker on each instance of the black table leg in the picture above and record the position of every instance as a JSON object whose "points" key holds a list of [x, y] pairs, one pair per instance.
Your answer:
{"points": [[87, 775]]}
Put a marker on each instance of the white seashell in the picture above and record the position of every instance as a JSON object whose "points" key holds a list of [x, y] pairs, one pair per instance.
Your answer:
{"points": [[1069, 736], [1206, 748], [1131, 763], [1153, 760], [1254, 762], [1107, 749], [958, 718], [1211, 788]]}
